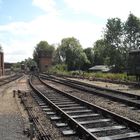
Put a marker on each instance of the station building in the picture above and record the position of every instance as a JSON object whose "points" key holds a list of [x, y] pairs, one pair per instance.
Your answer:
{"points": [[45, 61], [1, 63]]}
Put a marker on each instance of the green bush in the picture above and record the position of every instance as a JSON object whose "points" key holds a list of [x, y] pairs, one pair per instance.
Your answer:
{"points": [[58, 69], [61, 69]]}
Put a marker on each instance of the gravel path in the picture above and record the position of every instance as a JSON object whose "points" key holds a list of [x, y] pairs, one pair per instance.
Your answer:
{"points": [[11, 125]]}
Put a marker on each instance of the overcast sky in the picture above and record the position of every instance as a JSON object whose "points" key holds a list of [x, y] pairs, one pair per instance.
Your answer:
{"points": [[23, 23]]}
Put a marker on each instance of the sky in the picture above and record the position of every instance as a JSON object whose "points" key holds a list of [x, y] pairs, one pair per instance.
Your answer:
{"points": [[24, 23]]}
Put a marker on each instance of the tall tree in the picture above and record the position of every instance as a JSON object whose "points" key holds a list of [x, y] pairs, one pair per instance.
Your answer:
{"points": [[113, 33], [57, 59], [114, 40], [90, 55], [100, 52], [30, 63], [72, 54], [132, 32]]}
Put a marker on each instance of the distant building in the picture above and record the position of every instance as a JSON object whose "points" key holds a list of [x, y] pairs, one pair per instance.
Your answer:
{"points": [[1, 63], [45, 61], [101, 68], [8, 65], [8, 68]]}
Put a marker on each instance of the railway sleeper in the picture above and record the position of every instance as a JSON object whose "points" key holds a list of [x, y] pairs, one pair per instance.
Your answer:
{"points": [[104, 131]]}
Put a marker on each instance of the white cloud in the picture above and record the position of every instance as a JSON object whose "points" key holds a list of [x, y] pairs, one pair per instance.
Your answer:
{"points": [[105, 8], [17, 50], [48, 6], [15, 27], [25, 35]]}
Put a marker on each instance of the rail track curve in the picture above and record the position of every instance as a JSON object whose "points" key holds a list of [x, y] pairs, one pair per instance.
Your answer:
{"points": [[131, 100], [77, 117]]}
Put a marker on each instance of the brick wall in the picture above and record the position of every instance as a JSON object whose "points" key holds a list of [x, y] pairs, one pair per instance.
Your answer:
{"points": [[44, 63]]}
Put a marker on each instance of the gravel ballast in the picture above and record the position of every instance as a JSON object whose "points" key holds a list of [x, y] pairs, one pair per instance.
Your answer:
{"points": [[108, 104]]}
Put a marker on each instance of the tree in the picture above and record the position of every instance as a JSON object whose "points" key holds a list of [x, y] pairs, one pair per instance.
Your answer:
{"points": [[113, 33], [132, 32], [114, 42], [57, 59], [90, 56], [29, 63], [16, 66], [72, 54], [131, 35], [100, 52], [43, 47]]}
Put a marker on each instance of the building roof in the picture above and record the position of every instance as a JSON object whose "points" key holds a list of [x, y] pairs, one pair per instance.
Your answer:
{"points": [[134, 51], [102, 68]]}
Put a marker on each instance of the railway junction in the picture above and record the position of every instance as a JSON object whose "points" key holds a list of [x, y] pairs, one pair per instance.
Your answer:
{"points": [[64, 87], [49, 107]]}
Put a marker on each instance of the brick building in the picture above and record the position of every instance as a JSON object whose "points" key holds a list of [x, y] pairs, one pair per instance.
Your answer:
{"points": [[1, 63], [45, 61]]}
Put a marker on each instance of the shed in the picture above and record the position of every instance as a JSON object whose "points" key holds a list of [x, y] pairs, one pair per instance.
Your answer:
{"points": [[102, 68]]}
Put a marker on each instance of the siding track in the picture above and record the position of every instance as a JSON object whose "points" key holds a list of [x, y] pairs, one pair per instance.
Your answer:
{"points": [[77, 117], [131, 100], [9, 79]]}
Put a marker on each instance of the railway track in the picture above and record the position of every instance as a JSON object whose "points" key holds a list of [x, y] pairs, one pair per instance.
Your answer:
{"points": [[39, 131], [131, 100], [77, 117], [137, 84], [9, 79]]}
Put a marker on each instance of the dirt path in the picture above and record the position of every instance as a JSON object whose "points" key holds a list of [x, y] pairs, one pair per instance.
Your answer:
{"points": [[11, 124]]}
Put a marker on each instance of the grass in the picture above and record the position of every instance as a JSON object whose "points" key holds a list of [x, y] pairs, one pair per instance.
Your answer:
{"points": [[62, 70]]}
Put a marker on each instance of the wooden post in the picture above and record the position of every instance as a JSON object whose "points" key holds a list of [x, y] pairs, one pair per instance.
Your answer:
{"points": [[31, 131], [14, 93]]}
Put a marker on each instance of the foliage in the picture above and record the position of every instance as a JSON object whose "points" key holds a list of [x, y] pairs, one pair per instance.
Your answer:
{"points": [[112, 49], [16, 66], [90, 56], [113, 32], [114, 41], [119, 39], [61, 70], [58, 69], [132, 32], [29, 63], [110, 76], [57, 59], [100, 52], [72, 54]]}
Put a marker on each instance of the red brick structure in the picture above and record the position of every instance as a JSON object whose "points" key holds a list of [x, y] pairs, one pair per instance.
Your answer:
{"points": [[45, 61], [1, 63]]}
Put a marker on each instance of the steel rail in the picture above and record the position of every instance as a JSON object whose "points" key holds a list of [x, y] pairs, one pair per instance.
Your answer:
{"points": [[78, 127], [100, 91], [74, 124], [10, 79], [133, 83]]}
